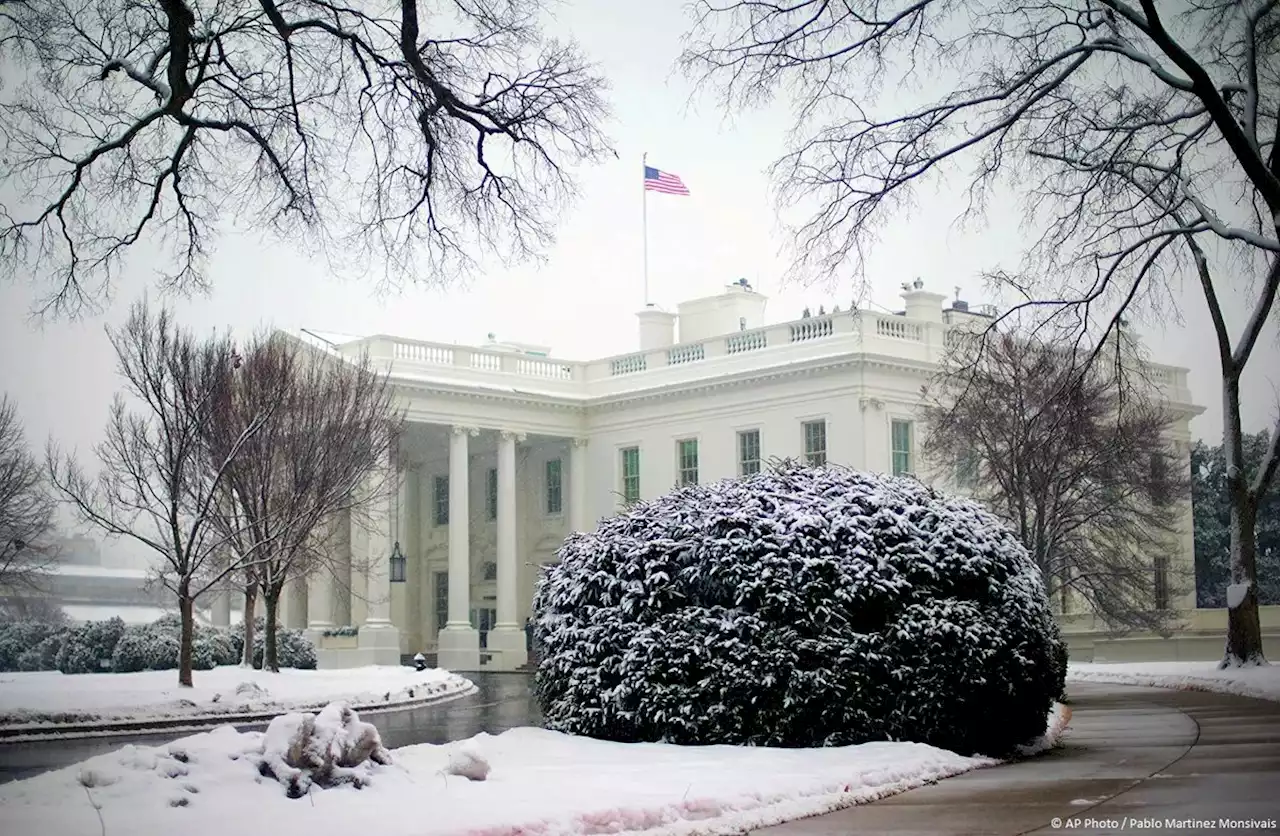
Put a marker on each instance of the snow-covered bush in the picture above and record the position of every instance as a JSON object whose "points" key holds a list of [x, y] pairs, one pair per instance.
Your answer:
{"points": [[293, 648], [798, 607], [21, 638], [156, 647], [44, 656], [87, 647], [326, 749]]}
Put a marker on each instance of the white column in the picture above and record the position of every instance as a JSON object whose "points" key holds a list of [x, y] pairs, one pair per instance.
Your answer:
{"points": [[459, 642], [221, 607], [578, 485], [379, 639], [507, 511], [320, 600], [507, 637]]}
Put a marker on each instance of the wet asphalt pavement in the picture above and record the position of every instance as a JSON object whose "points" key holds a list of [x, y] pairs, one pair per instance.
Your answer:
{"points": [[502, 701]]}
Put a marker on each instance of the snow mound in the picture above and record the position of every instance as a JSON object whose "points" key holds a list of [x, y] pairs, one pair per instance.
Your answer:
{"points": [[544, 784], [467, 761], [326, 749], [799, 607], [1257, 681]]}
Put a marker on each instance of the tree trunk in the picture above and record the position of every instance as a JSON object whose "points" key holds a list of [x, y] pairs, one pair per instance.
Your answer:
{"points": [[186, 611], [270, 659], [1244, 629], [250, 604]]}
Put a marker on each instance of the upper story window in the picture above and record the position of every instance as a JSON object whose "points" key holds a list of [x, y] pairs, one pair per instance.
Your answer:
{"points": [[967, 469], [1161, 590], [491, 493], [630, 475], [748, 452], [687, 461], [900, 445], [815, 443], [442, 500], [555, 491]]}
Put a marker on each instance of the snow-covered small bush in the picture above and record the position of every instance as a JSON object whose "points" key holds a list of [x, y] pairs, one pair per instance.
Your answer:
{"points": [[293, 648], [88, 646], [799, 607], [44, 656], [19, 638], [326, 749]]}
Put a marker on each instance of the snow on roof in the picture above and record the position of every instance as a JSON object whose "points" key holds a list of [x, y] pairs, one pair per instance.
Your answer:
{"points": [[72, 570], [129, 614], [324, 339]]}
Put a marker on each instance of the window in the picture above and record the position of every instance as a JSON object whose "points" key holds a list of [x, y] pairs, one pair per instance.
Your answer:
{"points": [[442, 500], [748, 452], [555, 493], [630, 475], [442, 599], [491, 493], [687, 461], [815, 443], [1161, 567], [489, 571], [967, 469], [900, 432]]}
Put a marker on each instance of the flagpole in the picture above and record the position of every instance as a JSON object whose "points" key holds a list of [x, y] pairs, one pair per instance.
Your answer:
{"points": [[644, 223]]}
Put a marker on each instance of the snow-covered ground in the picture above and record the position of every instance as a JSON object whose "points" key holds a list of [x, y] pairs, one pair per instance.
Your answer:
{"points": [[541, 783], [52, 697], [1261, 682]]}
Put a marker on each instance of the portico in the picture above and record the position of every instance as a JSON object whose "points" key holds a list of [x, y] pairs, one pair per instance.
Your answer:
{"points": [[474, 514]]}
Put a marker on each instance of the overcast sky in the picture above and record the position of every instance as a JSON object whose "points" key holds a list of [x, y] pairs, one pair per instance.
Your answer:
{"points": [[582, 301]]}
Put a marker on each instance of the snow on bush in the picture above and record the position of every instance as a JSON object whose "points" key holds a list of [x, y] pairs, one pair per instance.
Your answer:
{"points": [[326, 749], [799, 607], [19, 641], [88, 648]]}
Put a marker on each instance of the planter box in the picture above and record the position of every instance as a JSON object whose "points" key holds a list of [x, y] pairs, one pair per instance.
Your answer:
{"points": [[339, 642]]}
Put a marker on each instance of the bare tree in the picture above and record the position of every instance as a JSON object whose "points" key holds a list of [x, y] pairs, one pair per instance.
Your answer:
{"points": [[417, 133], [325, 450], [157, 484], [1077, 461], [1142, 135], [26, 509]]}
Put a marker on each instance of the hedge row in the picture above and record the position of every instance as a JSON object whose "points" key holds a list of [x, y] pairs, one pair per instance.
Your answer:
{"points": [[101, 646]]}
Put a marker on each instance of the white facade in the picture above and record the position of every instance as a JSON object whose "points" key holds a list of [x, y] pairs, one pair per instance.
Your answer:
{"points": [[549, 440]]}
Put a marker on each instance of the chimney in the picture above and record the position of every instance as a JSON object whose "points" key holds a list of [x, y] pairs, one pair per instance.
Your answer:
{"points": [[921, 304], [657, 328]]}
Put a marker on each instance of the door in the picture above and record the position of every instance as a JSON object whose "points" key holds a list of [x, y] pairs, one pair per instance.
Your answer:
{"points": [[484, 619]]}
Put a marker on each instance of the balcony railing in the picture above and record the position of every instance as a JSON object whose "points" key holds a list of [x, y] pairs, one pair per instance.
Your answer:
{"points": [[812, 338]]}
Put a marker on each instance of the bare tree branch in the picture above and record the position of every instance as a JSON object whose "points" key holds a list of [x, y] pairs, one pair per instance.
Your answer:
{"points": [[159, 478], [1143, 141], [420, 138], [26, 510]]}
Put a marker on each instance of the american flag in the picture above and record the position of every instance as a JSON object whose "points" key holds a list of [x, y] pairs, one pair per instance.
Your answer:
{"points": [[664, 181]]}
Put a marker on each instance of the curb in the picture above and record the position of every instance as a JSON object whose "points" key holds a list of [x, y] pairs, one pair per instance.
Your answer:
{"points": [[35, 732]]}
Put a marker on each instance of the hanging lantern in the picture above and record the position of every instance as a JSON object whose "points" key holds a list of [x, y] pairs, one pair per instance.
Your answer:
{"points": [[397, 564]]}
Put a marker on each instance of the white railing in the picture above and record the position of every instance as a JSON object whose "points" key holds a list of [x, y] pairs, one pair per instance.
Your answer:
{"points": [[745, 341], [811, 329], [630, 364], [423, 353], [813, 337], [898, 329], [691, 353]]}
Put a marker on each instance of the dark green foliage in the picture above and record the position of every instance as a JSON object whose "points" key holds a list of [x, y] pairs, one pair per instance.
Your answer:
{"points": [[799, 607], [1212, 515], [293, 650], [88, 648], [22, 638]]}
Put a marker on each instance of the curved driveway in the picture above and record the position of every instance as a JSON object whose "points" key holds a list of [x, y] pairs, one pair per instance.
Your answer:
{"points": [[501, 701], [1131, 757], [1148, 754]]}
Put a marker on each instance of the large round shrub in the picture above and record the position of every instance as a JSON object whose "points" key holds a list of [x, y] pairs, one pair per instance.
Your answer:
{"points": [[799, 607]]}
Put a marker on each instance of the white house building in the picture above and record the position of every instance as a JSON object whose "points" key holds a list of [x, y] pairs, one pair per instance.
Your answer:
{"points": [[508, 449]]}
